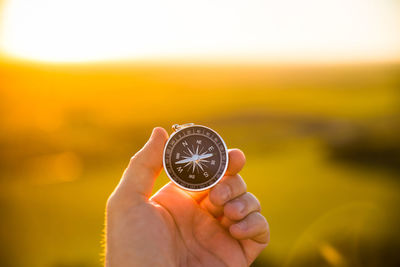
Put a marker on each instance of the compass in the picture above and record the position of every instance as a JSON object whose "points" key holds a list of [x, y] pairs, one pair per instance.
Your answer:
{"points": [[195, 157]]}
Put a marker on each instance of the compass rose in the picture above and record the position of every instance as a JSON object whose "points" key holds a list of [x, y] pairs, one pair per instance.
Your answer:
{"points": [[195, 159]]}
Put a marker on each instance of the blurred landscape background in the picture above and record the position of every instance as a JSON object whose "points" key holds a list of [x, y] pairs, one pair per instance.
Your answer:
{"points": [[322, 142]]}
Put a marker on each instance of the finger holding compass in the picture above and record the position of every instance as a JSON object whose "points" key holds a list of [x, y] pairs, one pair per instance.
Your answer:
{"points": [[231, 185]]}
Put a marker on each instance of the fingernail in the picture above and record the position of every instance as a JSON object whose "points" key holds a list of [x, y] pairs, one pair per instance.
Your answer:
{"points": [[239, 206], [224, 192], [242, 225]]}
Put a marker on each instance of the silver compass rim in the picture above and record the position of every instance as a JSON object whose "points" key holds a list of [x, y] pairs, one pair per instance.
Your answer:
{"points": [[216, 181]]}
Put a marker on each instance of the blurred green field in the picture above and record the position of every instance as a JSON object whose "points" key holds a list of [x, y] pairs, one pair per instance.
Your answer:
{"points": [[322, 146]]}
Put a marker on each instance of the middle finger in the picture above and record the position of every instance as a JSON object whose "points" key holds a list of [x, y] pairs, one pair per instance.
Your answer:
{"points": [[229, 188]]}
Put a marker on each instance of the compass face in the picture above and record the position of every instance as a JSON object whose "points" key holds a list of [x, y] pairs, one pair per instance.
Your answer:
{"points": [[195, 158]]}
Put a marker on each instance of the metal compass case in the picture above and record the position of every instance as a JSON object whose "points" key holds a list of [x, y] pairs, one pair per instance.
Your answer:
{"points": [[195, 157]]}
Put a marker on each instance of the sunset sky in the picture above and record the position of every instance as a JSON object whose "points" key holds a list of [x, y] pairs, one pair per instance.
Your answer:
{"points": [[251, 30]]}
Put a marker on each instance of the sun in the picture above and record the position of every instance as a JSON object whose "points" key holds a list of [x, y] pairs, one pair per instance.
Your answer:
{"points": [[255, 30]]}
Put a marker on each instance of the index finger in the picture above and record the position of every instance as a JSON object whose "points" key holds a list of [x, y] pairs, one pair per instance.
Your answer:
{"points": [[235, 164], [236, 161]]}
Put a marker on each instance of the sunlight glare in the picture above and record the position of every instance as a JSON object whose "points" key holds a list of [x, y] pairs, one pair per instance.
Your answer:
{"points": [[76, 30]]}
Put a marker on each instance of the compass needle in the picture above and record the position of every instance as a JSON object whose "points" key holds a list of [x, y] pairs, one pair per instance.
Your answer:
{"points": [[203, 157], [184, 161]]}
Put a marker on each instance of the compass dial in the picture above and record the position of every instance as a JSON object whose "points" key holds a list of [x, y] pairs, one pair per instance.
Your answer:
{"points": [[195, 158]]}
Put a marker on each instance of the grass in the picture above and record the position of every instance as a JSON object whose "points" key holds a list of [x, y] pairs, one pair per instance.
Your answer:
{"points": [[68, 131]]}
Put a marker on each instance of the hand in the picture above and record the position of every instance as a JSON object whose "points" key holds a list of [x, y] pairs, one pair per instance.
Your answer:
{"points": [[218, 227]]}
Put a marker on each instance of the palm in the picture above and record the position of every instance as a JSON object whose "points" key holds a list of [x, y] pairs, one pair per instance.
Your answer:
{"points": [[199, 238], [177, 228]]}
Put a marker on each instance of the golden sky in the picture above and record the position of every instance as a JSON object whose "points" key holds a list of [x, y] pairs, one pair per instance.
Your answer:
{"points": [[248, 30]]}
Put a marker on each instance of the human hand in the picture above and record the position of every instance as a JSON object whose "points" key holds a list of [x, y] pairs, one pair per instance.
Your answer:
{"points": [[221, 226]]}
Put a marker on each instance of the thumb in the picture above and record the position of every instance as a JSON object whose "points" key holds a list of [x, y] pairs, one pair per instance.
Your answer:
{"points": [[145, 166]]}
